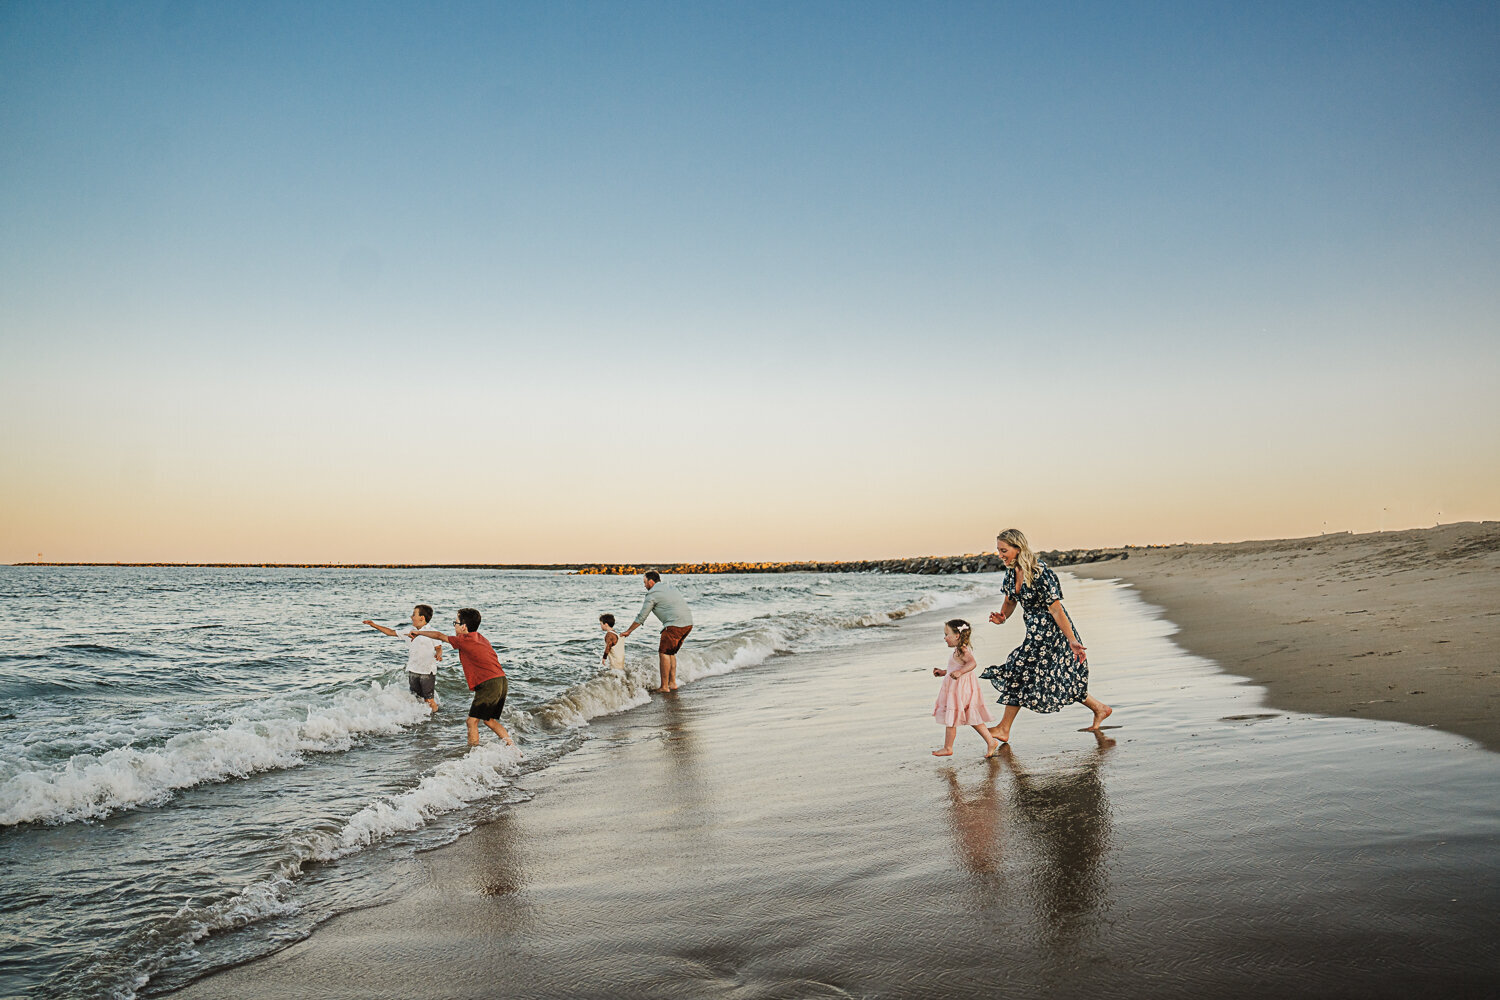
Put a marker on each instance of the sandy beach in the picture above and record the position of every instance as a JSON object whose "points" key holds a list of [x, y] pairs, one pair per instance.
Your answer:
{"points": [[781, 831], [1400, 625]]}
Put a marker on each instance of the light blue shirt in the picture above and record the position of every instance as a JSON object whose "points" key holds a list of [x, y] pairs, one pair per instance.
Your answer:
{"points": [[668, 605]]}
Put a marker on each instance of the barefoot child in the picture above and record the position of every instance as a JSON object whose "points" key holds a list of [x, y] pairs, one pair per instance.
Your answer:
{"points": [[422, 655], [481, 669], [959, 702], [614, 646]]}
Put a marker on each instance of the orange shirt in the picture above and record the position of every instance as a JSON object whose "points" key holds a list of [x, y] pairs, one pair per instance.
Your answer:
{"points": [[477, 657]]}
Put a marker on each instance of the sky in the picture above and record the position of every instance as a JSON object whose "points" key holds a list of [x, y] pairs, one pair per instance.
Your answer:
{"points": [[558, 282]]}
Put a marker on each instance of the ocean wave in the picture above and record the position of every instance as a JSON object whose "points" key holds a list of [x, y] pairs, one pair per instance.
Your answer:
{"points": [[93, 786], [609, 692], [452, 785]]}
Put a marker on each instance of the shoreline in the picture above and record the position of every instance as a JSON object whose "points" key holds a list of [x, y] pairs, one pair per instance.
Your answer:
{"points": [[1396, 625], [781, 831]]}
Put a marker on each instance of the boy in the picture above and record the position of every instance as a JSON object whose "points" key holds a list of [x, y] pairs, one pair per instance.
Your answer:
{"points": [[481, 669], [614, 646], [422, 656]]}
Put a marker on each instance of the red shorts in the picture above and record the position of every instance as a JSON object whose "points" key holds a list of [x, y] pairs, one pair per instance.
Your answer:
{"points": [[671, 639]]}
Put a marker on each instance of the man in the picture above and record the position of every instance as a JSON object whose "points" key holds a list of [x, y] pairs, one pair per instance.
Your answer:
{"points": [[663, 600]]}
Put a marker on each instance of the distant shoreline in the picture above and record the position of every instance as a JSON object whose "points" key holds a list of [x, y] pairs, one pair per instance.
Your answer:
{"points": [[924, 565]]}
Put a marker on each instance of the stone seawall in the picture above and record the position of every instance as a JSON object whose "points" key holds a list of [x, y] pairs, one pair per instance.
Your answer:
{"points": [[930, 565], [981, 563]]}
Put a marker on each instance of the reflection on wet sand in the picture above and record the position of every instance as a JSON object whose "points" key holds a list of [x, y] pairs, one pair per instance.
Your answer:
{"points": [[1054, 826]]}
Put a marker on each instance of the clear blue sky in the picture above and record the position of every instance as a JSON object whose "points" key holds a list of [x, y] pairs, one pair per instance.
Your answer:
{"points": [[867, 278]]}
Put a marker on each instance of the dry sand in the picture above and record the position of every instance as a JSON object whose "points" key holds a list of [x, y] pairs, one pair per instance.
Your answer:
{"points": [[1399, 625]]}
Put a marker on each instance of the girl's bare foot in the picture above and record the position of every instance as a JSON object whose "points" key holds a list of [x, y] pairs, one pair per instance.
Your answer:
{"points": [[945, 752], [1100, 714], [993, 750]]}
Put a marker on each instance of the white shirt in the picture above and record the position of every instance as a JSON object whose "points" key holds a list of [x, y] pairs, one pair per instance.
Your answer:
{"points": [[421, 654]]}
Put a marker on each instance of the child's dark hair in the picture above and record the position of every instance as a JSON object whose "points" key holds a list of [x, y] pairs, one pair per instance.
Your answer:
{"points": [[425, 610], [964, 632], [470, 618], [653, 576], [608, 620]]}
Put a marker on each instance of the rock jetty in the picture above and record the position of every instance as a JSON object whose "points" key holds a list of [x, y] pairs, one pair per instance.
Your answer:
{"points": [[985, 562]]}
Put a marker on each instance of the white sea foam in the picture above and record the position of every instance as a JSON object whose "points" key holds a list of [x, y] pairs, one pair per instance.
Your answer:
{"points": [[453, 784], [609, 693], [91, 786]]}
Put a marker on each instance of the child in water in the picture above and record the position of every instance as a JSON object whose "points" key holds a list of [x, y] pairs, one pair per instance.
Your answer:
{"points": [[959, 701], [614, 646]]}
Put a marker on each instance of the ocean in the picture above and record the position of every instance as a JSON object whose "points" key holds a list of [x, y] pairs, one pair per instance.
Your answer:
{"points": [[199, 765]]}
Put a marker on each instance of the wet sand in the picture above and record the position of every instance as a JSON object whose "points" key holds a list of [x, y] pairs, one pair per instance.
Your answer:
{"points": [[783, 832], [1400, 625]]}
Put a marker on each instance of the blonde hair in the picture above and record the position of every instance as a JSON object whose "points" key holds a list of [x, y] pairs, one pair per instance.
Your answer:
{"points": [[1026, 561], [965, 633]]}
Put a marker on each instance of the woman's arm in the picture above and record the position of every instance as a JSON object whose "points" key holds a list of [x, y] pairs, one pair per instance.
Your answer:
{"points": [[998, 617], [1055, 609]]}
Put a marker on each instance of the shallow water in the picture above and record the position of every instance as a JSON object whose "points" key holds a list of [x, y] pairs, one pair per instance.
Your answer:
{"points": [[782, 832], [197, 765]]}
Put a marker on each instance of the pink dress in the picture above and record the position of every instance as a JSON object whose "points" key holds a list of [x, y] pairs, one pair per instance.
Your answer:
{"points": [[959, 700]]}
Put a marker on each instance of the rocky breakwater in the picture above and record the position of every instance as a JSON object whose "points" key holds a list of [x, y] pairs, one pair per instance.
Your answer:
{"points": [[985, 562]]}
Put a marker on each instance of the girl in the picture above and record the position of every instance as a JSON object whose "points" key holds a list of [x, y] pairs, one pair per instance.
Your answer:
{"points": [[1049, 669], [959, 702]]}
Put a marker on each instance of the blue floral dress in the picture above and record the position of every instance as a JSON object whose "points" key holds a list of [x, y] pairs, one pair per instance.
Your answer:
{"points": [[1042, 673]]}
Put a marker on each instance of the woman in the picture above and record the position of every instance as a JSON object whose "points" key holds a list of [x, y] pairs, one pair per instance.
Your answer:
{"points": [[1049, 669]]}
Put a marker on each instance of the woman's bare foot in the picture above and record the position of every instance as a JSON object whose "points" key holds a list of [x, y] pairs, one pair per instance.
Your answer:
{"points": [[1100, 714], [945, 752], [1001, 733]]}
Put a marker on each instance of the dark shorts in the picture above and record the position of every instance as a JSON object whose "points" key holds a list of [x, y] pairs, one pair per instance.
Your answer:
{"points": [[422, 685], [489, 699], [671, 638]]}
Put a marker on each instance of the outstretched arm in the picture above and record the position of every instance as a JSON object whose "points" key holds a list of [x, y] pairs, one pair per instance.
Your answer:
{"points": [[998, 617], [440, 637], [1055, 609], [380, 628]]}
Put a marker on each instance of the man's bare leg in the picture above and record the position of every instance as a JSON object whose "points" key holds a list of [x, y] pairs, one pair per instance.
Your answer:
{"points": [[431, 703], [666, 678], [473, 731], [672, 672]]}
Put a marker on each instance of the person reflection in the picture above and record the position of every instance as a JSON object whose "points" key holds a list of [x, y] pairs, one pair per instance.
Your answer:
{"points": [[1066, 817], [974, 819]]}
